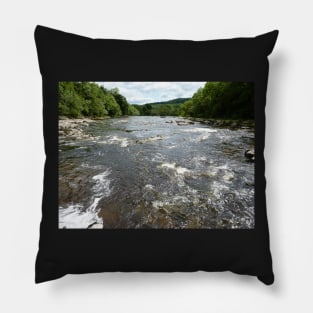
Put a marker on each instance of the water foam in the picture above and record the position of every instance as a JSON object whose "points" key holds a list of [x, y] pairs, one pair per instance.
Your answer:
{"points": [[123, 142], [178, 171], [199, 130], [102, 186], [149, 187], [76, 216]]}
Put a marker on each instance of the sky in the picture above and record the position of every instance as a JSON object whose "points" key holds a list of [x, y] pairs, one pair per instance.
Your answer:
{"points": [[145, 92]]}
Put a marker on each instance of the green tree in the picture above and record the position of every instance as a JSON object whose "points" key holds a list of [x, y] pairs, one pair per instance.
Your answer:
{"points": [[89, 99], [112, 106], [70, 103], [146, 110], [132, 110], [233, 100], [121, 100]]}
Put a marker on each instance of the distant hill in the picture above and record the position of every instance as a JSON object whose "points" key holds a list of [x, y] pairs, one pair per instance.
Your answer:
{"points": [[173, 101], [164, 108]]}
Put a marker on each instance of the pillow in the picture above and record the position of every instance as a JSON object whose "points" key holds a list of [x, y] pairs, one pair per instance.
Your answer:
{"points": [[154, 155]]}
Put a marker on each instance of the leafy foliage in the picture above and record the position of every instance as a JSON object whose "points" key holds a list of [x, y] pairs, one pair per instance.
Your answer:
{"points": [[230, 100], [224, 100], [173, 101], [78, 99], [233, 100], [132, 110], [70, 103], [121, 100], [167, 108]]}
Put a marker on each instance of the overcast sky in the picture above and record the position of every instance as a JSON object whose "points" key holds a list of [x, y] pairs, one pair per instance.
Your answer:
{"points": [[143, 92]]}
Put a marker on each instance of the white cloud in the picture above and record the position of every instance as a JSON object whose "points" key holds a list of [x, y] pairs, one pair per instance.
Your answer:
{"points": [[143, 92]]}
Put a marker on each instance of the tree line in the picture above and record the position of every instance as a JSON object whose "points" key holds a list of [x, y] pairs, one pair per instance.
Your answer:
{"points": [[223, 100], [164, 108], [169, 109], [79, 99], [230, 100]]}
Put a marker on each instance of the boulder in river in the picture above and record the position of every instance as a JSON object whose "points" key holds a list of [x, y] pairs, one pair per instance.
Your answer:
{"points": [[249, 154], [184, 123], [150, 139]]}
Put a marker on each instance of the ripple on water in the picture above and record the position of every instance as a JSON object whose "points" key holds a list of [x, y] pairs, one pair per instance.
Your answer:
{"points": [[177, 173], [169, 177], [122, 141], [199, 130]]}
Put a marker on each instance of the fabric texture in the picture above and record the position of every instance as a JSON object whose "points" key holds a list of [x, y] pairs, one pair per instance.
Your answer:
{"points": [[65, 57]]}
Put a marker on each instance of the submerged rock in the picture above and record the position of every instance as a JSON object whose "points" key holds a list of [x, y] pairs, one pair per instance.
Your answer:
{"points": [[162, 211]]}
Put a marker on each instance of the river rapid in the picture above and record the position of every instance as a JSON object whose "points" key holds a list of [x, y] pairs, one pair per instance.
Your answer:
{"points": [[153, 172]]}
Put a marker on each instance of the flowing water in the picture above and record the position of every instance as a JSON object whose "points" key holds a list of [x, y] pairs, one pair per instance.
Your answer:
{"points": [[150, 172]]}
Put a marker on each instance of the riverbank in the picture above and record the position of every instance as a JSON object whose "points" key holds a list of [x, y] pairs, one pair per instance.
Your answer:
{"points": [[224, 123], [69, 123], [74, 127]]}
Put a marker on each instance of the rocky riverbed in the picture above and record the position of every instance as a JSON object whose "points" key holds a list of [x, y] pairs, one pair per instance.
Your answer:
{"points": [[152, 172]]}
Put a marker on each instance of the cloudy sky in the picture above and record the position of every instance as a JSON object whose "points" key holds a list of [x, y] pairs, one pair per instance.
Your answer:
{"points": [[143, 92]]}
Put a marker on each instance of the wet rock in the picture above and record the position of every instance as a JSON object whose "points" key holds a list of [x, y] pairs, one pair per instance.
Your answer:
{"points": [[163, 211], [193, 223], [146, 226], [249, 154], [212, 210], [73, 128], [95, 226], [150, 139], [161, 222], [110, 215], [228, 176], [226, 123], [178, 216], [184, 123]]}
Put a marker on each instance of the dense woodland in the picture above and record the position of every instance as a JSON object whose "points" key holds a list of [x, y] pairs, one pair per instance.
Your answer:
{"points": [[78, 99], [229, 100], [166, 108]]}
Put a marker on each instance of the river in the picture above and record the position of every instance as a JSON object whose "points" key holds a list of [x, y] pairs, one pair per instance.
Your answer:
{"points": [[150, 172]]}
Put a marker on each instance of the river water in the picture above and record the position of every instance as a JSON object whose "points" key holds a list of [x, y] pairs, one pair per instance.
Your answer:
{"points": [[150, 172]]}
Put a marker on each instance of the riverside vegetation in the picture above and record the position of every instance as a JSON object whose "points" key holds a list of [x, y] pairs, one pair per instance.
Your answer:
{"points": [[216, 100]]}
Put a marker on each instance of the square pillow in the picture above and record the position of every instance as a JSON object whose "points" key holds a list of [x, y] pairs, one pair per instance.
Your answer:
{"points": [[154, 155]]}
